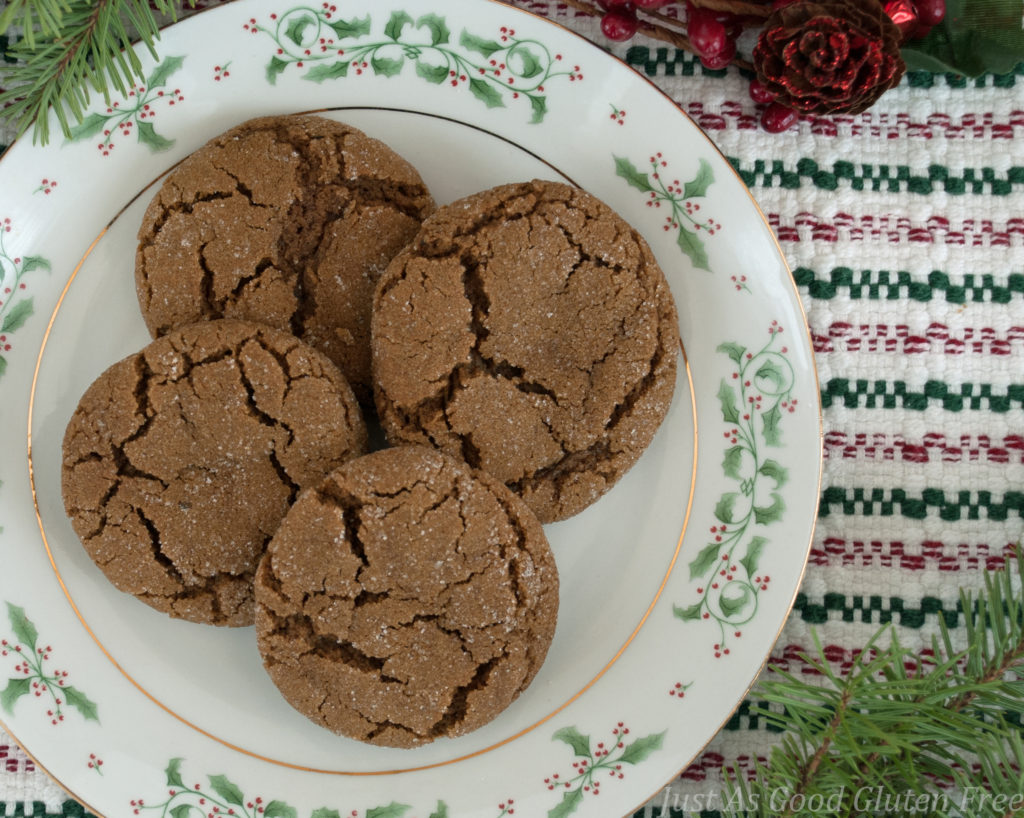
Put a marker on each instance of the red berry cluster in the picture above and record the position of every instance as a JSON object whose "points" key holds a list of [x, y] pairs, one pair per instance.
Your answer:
{"points": [[712, 33], [619, 21]]}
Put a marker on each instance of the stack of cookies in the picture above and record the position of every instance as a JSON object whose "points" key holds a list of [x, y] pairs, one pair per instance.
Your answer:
{"points": [[518, 349]]}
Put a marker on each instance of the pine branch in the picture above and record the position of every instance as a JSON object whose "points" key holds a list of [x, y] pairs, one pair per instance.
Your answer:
{"points": [[69, 49], [902, 726]]}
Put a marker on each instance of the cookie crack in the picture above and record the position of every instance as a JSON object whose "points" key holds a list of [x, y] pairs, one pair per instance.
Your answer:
{"points": [[458, 706]]}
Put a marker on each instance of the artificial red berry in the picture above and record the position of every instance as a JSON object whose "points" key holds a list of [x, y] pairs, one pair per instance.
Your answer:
{"points": [[608, 5], [619, 25], [759, 92], [930, 12], [722, 59], [778, 118], [707, 35]]}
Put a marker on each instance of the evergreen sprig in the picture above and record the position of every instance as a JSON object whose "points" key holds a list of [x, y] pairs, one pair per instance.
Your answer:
{"points": [[70, 48], [937, 733]]}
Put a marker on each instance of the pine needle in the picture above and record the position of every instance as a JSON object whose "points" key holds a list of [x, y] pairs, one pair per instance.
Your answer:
{"points": [[901, 730], [69, 50]]}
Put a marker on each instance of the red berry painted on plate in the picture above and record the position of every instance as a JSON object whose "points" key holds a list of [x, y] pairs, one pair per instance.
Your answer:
{"points": [[778, 118], [619, 25]]}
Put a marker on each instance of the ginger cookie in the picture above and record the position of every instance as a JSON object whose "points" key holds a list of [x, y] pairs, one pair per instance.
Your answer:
{"points": [[528, 330], [406, 598], [180, 461], [283, 220]]}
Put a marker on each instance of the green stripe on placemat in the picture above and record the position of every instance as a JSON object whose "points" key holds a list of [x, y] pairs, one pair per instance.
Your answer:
{"points": [[878, 285], [951, 506], [862, 393], [890, 178], [69, 809]]}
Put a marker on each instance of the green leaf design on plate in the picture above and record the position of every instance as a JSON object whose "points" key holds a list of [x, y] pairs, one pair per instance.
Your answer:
{"points": [[88, 127], [356, 27], [770, 371], [730, 406], [3, 369], [435, 24], [574, 738], [82, 703], [327, 71], [568, 805], [700, 184], [392, 810], [387, 67], [168, 66], [227, 790], [279, 809], [770, 429], [704, 560], [30, 263], [432, 73], [22, 626], [297, 27], [440, 811], [151, 139], [732, 462], [772, 513], [539, 105], [173, 773], [640, 749], [182, 811], [479, 44], [275, 67], [690, 243], [752, 558], [734, 351], [397, 21], [530, 65], [486, 93], [687, 613], [632, 174], [18, 315], [16, 688], [724, 507], [733, 605], [324, 812], [775, 471]]}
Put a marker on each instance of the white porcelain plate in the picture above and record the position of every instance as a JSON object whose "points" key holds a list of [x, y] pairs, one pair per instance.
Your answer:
{"points": [[674, 585]]}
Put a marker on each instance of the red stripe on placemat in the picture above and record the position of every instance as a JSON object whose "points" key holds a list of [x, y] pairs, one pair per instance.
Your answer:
{"points": [[895, 229], [842, 336], [837, 551], [13, 761], [934, 447], [744, 116]]}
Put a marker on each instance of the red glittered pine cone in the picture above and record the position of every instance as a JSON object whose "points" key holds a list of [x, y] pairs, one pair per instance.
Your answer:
{"points": [[829, 56]]}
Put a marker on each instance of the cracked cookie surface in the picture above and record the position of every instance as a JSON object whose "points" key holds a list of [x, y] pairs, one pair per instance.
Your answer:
{"points": [[287, 221], [528, 330], [180, 461], [406, 598]]}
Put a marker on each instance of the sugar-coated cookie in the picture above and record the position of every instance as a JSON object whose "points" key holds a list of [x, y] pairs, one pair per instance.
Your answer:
{"points": [[529, 330], [406, 598], [284, 220], [180, 461]]}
